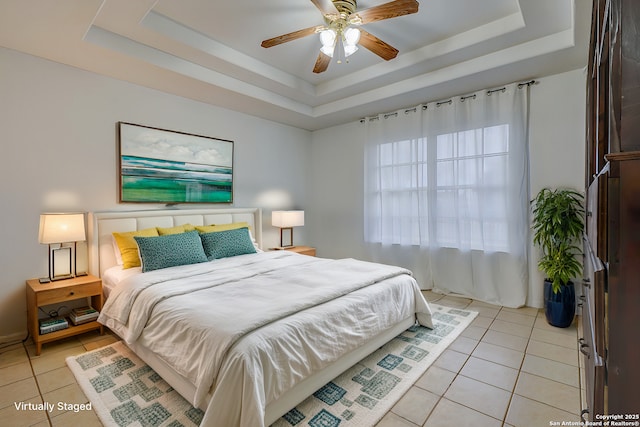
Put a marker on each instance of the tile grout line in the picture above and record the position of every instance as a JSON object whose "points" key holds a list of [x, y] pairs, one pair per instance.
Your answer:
{"points": [[545, 378], [35, 378], [532, 329], [443, 393], [458, 374], [515, 383], [454, 378]]}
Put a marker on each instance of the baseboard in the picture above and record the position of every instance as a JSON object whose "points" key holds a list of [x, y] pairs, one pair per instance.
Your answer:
{"points": [[13, 338]]}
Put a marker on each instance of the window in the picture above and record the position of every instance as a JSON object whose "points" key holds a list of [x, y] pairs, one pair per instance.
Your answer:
{"points": [[458, 179], [470, 183], [449, 182]]}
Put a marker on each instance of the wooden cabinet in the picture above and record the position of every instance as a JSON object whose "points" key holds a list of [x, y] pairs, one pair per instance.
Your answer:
{"points": [[611, 301], [591, 343], [42, 294], [622, 313]]}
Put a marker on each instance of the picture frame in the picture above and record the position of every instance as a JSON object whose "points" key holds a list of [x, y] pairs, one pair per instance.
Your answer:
{"points": [[165, 166]]}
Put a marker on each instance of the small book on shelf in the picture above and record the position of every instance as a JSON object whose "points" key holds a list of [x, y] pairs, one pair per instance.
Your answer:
{"points": [[52, 325], [80, 311], [83, 315]]}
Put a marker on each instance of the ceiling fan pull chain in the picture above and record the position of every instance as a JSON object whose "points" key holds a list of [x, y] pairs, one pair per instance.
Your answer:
{"points": [[340, 48]]}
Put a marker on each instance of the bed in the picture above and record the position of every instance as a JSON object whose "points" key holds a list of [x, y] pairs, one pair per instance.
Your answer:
{"points": [[255, 355]]}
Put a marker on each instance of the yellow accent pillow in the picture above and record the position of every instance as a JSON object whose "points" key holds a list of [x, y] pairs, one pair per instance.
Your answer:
{"points": [[128, 246], [175, 230], [221, 227]]}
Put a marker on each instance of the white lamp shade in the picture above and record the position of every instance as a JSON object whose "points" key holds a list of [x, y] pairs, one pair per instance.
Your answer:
{"points": [[61, 228], [287, 219], [328, 38], [351, 36], [349, 49], [327, 50]]}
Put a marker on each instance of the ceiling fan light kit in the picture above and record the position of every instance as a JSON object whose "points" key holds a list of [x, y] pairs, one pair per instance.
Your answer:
{"points": [[340, 36], [347, 42], [328, 40]]}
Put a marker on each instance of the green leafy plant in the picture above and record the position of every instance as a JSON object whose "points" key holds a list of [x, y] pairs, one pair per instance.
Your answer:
{"points": [[558, 224]]}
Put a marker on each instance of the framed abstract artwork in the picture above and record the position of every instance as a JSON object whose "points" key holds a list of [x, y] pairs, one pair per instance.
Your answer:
{"points": [[164, 166]]}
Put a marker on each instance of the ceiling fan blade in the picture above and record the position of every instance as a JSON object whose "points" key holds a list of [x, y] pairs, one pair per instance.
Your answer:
{"points": [[377, 46], [322, 63], [291, 36], [389, 10], [326, 7]]}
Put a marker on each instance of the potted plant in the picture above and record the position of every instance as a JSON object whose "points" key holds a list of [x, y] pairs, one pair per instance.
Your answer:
{"points": [[558, 223]]}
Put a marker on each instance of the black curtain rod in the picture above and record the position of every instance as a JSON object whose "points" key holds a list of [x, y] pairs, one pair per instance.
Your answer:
{"points": [[449, 101], [529, 83]]}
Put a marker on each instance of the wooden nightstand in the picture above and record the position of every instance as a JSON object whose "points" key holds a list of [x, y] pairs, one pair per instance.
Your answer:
{"points": [[304, 250], [41, 294]]}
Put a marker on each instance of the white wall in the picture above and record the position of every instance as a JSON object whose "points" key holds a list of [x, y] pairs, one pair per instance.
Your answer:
{"points": [[58, 139], [557, 140], [336, 212]]}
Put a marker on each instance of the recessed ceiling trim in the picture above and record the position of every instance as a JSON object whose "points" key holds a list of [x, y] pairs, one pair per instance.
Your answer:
{"points": [[541, 46], [118, 43], [190, 37], [531, 49]]}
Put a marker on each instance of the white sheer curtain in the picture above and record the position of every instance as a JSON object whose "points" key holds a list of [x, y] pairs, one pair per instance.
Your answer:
{"points": [[451, 179]]}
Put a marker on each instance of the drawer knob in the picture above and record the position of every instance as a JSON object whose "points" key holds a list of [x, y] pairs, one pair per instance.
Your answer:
{"points": [[71, 293]]}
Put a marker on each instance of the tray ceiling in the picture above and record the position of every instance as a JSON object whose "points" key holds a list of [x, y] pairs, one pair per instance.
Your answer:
{"points": [[209, 50]]}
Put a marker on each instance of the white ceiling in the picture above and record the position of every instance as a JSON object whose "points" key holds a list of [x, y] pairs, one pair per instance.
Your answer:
{"points": [[209, 50]]}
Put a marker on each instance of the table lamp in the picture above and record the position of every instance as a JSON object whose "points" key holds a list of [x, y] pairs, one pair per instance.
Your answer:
{"points": [[286, 220], [57, 229]]}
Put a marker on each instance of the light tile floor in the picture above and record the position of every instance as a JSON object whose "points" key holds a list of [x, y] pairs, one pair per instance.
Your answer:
{"points": [[25, 377], [508, 368]]}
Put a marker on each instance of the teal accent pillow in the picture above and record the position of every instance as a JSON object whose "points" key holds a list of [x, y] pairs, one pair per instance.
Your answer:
{"points": [[170, 250], [223, 244]]}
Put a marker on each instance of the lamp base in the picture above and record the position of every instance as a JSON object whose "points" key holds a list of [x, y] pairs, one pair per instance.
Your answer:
{"points": [[282, 245], [60, 263], [63, 277]]}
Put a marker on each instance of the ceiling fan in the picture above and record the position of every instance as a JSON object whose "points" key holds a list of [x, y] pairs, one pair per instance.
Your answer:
{"points": [[340, 36]]}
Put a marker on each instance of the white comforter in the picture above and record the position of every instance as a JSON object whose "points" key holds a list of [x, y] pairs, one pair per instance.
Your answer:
{"points": [[230, 326]]}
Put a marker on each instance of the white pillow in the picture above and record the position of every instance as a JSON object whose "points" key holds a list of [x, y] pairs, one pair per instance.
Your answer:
{"points": [[253, 240], [116, 251]]}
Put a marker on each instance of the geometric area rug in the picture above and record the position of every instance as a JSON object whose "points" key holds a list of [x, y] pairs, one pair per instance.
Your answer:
{"points": [[363, 394], [124, 391]]}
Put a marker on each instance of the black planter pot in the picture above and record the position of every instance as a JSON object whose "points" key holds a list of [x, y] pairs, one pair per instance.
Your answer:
{"points": [[559, 308]]}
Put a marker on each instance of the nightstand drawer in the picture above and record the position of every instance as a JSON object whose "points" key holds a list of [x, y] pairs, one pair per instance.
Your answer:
{"points": [[67, 293]]}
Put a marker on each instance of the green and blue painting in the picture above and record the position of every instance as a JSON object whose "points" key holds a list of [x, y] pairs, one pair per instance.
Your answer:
{"points": [[169, 167]]}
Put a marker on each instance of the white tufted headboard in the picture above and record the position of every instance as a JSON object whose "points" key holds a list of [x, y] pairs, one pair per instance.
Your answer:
{"points": [[102, 224]]}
